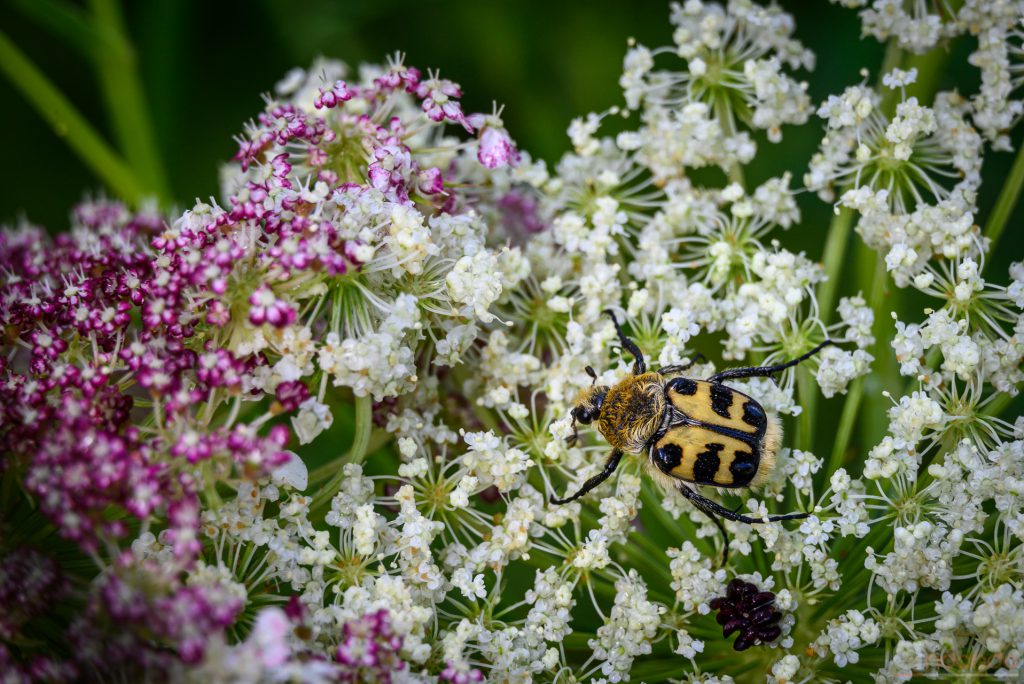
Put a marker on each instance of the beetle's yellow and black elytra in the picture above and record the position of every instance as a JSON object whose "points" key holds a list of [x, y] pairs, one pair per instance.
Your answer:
{"points": [[716, 436], [694, 432]]}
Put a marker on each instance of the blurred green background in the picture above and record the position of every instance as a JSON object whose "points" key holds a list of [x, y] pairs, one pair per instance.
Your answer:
{"points": [[204, 66]]}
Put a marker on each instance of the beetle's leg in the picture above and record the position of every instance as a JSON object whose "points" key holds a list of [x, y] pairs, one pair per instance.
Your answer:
{"points": [[708, 506], [714, 518], [766, 371], [571, 439], [681, 367], [639, 365], [609, 467]]}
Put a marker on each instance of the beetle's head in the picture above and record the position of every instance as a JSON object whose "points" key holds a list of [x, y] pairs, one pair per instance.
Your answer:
{"points": [[588, 405]]}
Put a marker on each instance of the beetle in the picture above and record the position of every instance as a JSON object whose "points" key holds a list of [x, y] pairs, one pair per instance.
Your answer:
{"points": [[694, 432]]}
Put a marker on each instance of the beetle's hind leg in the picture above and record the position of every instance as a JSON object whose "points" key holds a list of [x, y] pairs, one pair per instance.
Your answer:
{"points": [[707, 505], [686, 491], [639, 365], [715, 511], [766, 371]]}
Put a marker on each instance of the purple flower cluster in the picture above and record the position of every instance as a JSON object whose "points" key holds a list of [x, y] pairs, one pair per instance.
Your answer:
{"points": [[369, 649], [101, 381], [96, 332], [154, 612], [305, 175], [143, 619], [140, 619], [334, 149], [39, 668]]}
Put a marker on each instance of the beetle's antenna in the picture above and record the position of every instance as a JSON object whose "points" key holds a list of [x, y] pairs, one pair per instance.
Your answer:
{"points": [[639, 365], [592, 373]]}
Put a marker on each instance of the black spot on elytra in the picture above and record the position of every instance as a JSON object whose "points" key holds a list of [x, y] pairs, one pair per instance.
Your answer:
{"points": [[683, 386], [743, 468], [707, 462], [754, 415], [721, 400], [668, 457]]}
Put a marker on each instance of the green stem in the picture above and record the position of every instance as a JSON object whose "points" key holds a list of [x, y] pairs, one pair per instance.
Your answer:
{"points": [[892, 59], [213, 500], [378, 438], [996, 406], [68, 23], [832, 260], [850, 409], [364, 425], [723, 112], [660, 669], [808, 395], [851, 406], [126, 103], [360, 442], [885, 373], [1007, 201], [68, 123]]}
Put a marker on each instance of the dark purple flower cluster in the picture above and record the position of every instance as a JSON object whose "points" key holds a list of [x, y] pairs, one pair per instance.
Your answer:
{"points": [[39, 668], [748, 611], [30, 584]]}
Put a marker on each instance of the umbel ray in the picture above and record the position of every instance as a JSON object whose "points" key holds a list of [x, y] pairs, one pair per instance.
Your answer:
{"points": [[694, 432]]}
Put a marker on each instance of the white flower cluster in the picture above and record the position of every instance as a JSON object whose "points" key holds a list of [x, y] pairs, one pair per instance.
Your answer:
{"points": [[406, 280], [735, 52], [628, 631]]}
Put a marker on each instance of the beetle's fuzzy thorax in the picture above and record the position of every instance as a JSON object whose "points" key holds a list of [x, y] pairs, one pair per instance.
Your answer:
{"points": [[632, 412]]}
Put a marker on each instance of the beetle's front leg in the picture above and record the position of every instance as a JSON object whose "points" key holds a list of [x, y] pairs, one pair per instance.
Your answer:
{"points": [[609, 467]]}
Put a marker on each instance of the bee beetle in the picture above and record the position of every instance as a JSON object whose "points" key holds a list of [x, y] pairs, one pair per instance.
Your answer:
{"points": [[694, 432]]}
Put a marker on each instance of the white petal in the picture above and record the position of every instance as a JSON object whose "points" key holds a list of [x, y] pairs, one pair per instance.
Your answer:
{"points": [[292, 473]]}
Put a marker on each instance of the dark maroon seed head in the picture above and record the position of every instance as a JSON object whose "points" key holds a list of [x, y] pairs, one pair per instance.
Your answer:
{"points": [[746, 610], [743, 642], [764, 598], [764, 616]]}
